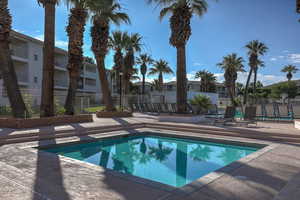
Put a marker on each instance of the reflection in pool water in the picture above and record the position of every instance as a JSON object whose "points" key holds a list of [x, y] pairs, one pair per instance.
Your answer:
{"points": [[171, 161]]}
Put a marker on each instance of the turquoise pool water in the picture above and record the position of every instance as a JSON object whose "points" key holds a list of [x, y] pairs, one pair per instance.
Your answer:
{"points": [[171, 161]]}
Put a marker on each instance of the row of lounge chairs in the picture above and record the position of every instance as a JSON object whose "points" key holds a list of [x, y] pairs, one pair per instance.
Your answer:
{"points": [[230, 112], [157, 107], [276, 112], [263, 112]]}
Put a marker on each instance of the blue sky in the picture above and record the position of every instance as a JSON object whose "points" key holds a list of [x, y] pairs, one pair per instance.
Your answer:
{"points": [[225, 28]]}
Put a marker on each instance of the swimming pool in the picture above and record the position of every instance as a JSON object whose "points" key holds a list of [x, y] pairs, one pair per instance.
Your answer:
{"points": [[168, 160]]}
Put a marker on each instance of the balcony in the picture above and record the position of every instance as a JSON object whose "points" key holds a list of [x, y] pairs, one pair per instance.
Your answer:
{"points": [[22, 72], [60, 62], [90, 85]]}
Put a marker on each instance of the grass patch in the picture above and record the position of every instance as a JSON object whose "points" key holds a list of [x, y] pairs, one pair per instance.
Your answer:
{"points": [[94, 109]]}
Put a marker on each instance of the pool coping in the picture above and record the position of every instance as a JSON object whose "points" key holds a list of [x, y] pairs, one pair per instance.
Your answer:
{"points": [[186, 189]]}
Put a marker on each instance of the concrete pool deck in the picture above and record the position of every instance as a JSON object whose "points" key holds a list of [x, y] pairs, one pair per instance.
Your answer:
{"points": [[28, 174]]}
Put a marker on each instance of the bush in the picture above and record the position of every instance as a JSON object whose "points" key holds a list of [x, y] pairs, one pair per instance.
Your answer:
{"points": [[202, 102], [5, 110], [28, 100], [59, 109]]}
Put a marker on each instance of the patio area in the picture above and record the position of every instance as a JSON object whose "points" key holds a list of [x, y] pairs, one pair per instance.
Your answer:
{"points": [[30, 174]]}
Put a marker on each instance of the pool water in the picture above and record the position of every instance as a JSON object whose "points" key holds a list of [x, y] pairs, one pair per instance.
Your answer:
{"points": [[171, 161]]}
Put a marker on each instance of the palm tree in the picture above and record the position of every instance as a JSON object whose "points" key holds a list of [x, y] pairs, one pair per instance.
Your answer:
{"points": [[182, 12], [104, 13], [201, 153], [208, 81], [133, 45], [231, 64], [144, 60], [155, 85], [47, 99], [7, 69], [160, 67], [117, 42], [290, 70], [298, 6], [255, 49], [160, 152], [75, 30]]}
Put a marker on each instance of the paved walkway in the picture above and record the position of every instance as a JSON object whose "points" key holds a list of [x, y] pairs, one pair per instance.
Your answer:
{"points": [[26, 174]]}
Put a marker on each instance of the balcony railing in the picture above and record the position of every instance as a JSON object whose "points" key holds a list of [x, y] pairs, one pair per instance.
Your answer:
{"points": [[60, 83], [19, 51]]}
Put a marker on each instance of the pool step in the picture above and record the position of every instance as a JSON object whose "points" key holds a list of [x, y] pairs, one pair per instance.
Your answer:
{"points": [[29, 137], [231, 132]]}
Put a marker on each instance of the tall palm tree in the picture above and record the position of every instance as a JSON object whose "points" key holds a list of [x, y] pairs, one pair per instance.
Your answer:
{"points": [[182, 12], [259, 64], [75, 30], [208, 81], [117, 42], [290, 70], [47, 99], [160, 67], [133, 45], [144, 60], [104, 13], [7, 69], [255, 49], [155, 85], [231, 64]]}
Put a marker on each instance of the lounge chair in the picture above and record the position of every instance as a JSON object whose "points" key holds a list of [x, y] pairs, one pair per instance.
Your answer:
{"points": [[284, 113], [189, 108], [270, 113], [174, 107], [228, 116], [260, 112], [249, 116], [296, 111]]}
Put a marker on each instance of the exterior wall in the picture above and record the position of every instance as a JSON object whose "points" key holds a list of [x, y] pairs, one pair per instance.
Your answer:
{"points": [[27, 55], [170, 96]]}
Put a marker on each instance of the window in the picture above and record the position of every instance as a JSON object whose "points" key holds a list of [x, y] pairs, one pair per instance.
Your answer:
{"points": [[4, 91], [35, 79], [36, 57]]}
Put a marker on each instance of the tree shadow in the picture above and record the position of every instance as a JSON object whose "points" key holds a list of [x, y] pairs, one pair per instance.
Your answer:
{"points": [[49, 176]]}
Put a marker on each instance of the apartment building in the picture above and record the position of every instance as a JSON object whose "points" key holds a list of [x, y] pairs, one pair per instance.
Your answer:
{"points": [[27, 55]]}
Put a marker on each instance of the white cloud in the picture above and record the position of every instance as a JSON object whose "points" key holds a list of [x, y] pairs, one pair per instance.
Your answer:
{"points": [[58, 43], [266, 79], [273, 59], [294, 58], [197, 64]]}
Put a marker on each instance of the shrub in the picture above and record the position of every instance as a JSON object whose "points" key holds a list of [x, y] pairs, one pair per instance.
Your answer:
{"points": [[202, 102]]}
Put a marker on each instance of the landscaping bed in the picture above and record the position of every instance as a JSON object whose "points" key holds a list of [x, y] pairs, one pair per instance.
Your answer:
{"points": [[46, 121], [106, 114]]}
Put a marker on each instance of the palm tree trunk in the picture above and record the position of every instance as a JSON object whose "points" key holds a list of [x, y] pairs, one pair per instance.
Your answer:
{"points": [[143, 85], [247, 86], [75, 31], [7, 69], [107, 98], [254, 84], [161, 81], [71, 96], [47, 99], [181, 80], [10, 81]]}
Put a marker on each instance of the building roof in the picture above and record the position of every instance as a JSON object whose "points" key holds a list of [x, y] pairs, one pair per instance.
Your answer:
{"points": [[31, 39]]}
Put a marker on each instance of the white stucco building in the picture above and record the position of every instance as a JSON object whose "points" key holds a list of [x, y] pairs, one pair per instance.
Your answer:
{"points": [[27, 55]]}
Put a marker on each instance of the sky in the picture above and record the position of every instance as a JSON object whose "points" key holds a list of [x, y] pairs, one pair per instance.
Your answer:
{"points": [[226, 28]]}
